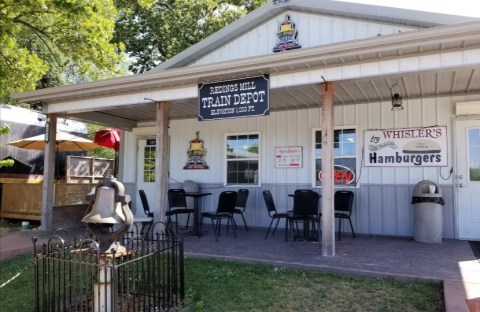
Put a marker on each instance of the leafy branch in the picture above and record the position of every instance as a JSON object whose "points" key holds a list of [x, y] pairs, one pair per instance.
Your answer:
{"points": [[5, 129]]}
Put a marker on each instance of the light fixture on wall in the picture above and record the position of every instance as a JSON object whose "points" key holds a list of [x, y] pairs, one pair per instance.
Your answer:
{"points": [[47, 130], [396, 94]]}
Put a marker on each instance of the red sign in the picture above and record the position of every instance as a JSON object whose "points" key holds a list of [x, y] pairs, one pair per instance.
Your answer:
{"points": [[341, 175]]}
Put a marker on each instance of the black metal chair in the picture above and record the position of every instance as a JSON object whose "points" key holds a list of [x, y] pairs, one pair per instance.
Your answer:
{"points": [[305, 210], [225, 210], [145, 221], [274, 214], [240, 205], [343, 209], [177, 204], [303, 190]]}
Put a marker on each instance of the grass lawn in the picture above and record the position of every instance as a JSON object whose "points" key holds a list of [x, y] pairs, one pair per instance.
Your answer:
{"points": [[213, 285]]}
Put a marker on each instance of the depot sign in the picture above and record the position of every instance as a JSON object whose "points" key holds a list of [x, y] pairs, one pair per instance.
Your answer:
{"points": [[234, 98]]}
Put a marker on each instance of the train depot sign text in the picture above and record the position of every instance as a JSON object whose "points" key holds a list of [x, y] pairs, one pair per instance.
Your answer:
{"points": [[234, 98]]}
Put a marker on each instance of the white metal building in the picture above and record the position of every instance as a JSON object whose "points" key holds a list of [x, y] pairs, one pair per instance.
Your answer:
{"points": [[368, 53]]}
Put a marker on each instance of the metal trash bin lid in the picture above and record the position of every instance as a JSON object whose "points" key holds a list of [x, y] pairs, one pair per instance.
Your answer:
{"points": [[421, 189], [421, 193]]}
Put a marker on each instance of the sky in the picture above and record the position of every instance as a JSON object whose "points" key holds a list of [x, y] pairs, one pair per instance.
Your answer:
{"points": [[454, 7]]}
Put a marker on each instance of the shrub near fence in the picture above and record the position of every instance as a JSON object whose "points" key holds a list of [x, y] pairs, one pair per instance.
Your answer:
{"points": [[149, 276]]}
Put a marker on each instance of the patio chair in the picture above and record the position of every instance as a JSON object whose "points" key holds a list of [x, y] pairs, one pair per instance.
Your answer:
{"points": [[177, 205], [305, 210], [343, 209], [146, 221], [240, 205], [302, 190], [225, 210], [274, 214]]}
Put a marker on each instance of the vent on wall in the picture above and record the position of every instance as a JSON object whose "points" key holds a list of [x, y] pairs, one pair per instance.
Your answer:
{"points": [[467, 108]]}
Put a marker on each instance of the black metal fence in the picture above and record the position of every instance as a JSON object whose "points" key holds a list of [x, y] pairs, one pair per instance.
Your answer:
{"points": [[146, 275]]}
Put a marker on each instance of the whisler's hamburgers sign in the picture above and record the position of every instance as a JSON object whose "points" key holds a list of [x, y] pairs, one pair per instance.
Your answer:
{"points": [[414, 147]]}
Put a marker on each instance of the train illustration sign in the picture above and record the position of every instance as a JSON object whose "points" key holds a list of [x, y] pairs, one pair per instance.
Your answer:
{"points": [[412, 147], [234, 98]]}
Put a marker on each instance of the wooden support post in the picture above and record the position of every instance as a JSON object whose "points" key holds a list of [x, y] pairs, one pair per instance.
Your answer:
{"points": [[49, 172], [161, 162], [328, 214]]}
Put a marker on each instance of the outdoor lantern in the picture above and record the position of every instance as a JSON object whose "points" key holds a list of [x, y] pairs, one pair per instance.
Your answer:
{"points": [[47, 129], [396, 92]]}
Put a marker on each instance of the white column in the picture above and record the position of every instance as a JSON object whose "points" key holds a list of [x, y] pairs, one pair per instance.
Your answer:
{"points": [[102, 297], [161, 161], [328, 216], [49, 172]]}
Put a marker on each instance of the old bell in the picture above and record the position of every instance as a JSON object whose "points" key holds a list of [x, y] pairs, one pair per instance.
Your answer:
{"points": [[105, 209], [108, 216]]}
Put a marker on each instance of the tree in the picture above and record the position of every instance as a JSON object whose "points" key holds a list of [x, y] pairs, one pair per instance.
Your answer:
{"points": [[45, 43], [156, 30], [6, 162]]}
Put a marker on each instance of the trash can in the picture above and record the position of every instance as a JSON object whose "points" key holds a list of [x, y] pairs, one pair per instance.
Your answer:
{"points": [[427, 201]]}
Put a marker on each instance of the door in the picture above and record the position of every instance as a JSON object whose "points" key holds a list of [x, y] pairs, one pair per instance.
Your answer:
{"points": [[145, 173], [467, 136]]}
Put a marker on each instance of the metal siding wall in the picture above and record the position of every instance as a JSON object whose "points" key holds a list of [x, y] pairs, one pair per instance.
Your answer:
{"points": [[390, 214], [294, 128], [389, 210], [382, 204], [131, 190], [404, 214], [448, 212], [313, 30], [128, 158], [375, 209]]}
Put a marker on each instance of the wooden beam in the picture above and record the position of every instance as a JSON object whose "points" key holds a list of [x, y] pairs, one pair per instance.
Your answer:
{"points": [[49, 173], [328, 215], [105, 118], [161, 161]]}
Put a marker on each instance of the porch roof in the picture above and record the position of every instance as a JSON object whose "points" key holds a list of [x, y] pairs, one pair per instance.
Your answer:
{"points": [[433, 62]]}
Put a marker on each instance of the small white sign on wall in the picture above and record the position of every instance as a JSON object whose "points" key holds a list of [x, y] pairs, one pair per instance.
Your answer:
{"points": [[288, 157]]}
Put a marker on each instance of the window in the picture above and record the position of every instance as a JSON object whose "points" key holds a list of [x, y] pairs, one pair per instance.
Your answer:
{"points": [[149, 162], [242, 159], [345, 157], [474, 154]]}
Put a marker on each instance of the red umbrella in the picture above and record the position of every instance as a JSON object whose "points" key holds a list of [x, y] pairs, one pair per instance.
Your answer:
{"points": [[109, 138]]}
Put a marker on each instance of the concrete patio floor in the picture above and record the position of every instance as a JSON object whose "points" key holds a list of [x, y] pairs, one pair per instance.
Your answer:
{"points": [[366, 255]]}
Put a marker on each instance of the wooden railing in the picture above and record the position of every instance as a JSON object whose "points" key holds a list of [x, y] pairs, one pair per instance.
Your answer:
{"points": [[24, 201]]}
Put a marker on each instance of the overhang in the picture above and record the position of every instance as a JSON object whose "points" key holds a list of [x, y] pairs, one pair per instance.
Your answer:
{"points": [[440, 61]]}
